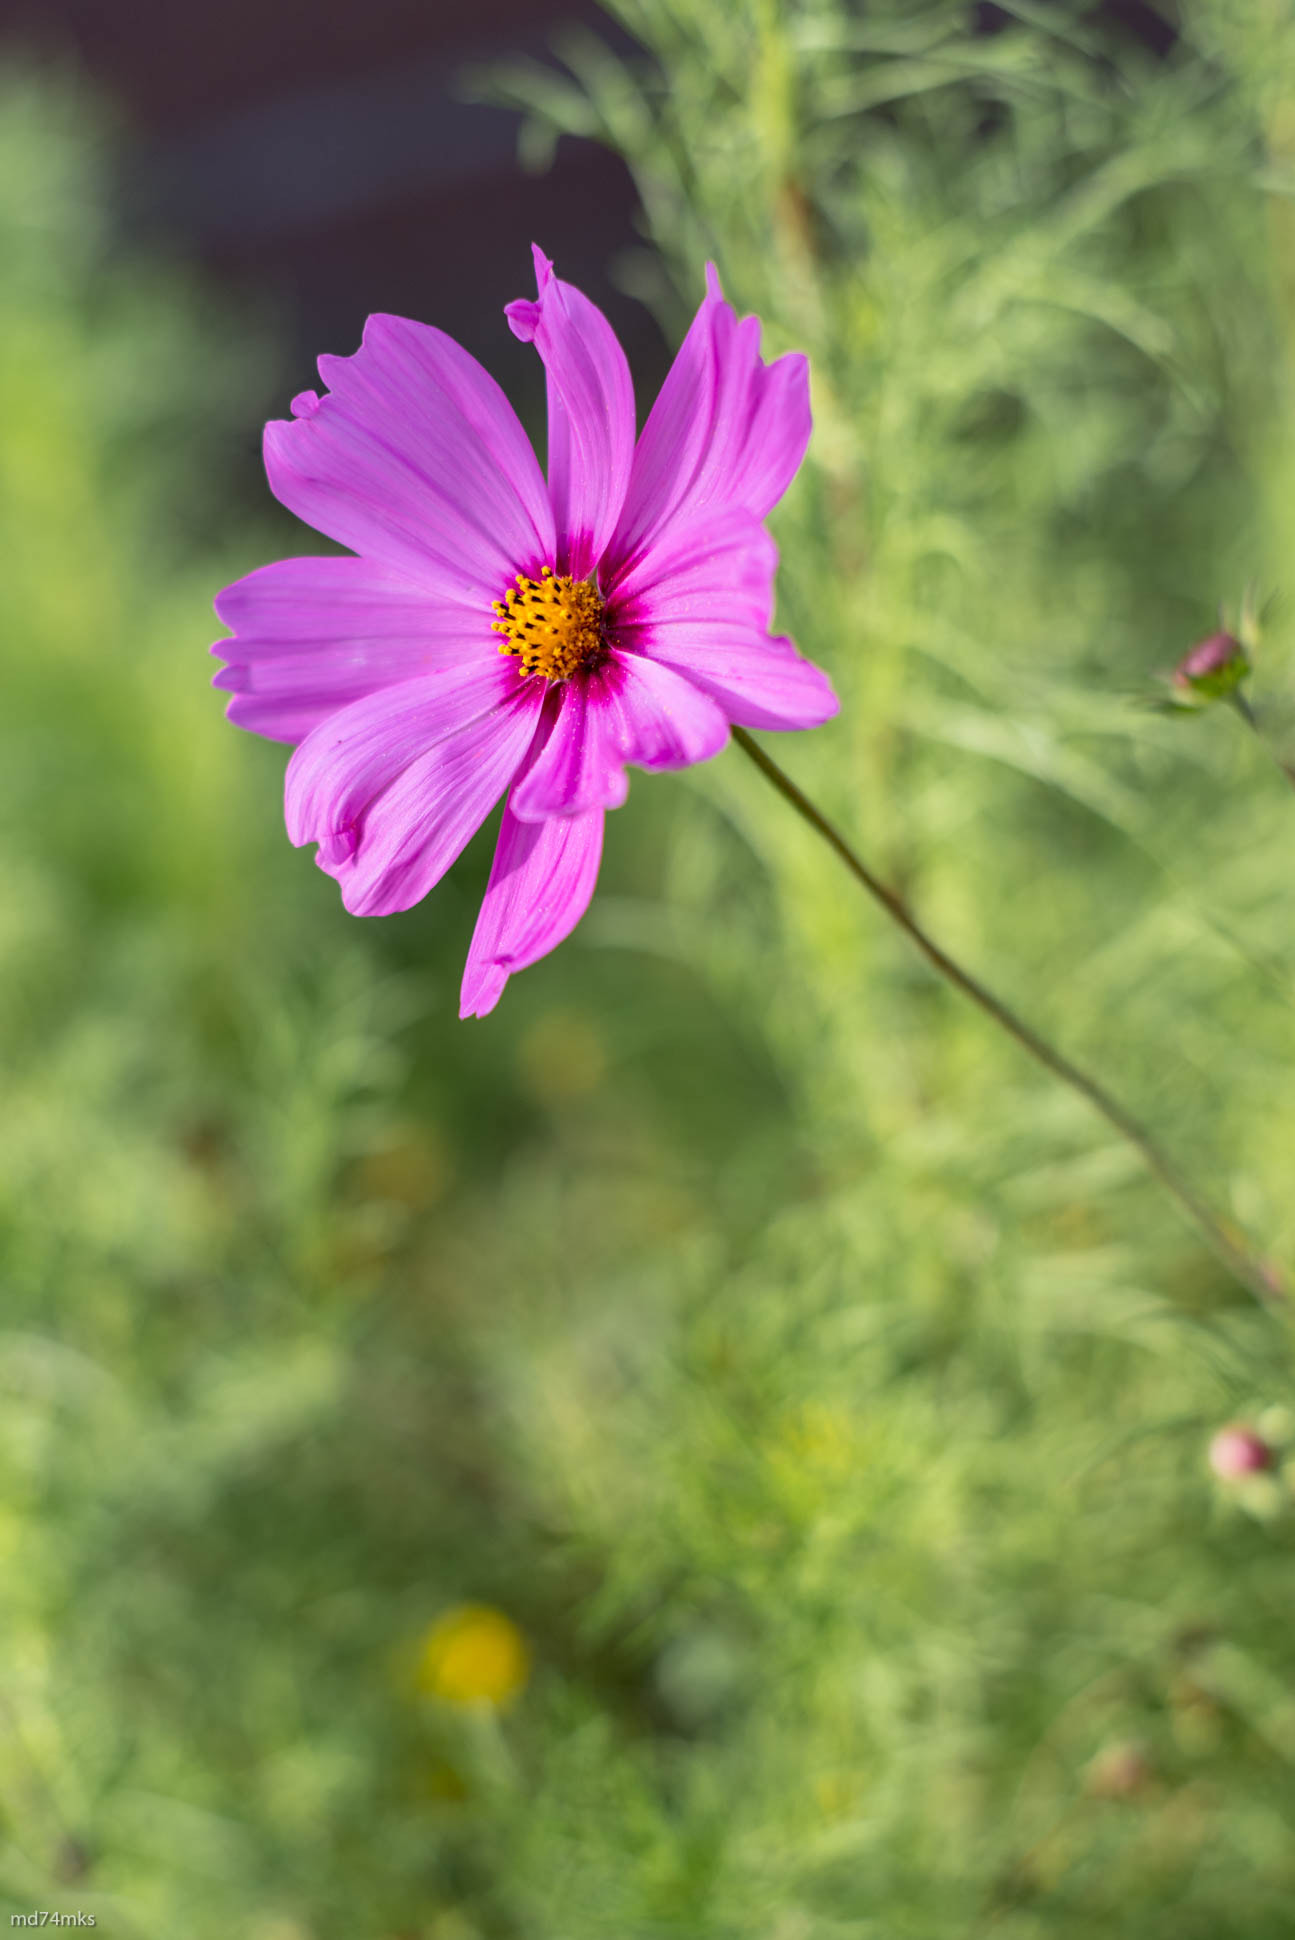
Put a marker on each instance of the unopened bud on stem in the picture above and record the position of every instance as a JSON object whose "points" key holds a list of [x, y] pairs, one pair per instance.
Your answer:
{"points": [[1212, 671], [1239, 1450]]}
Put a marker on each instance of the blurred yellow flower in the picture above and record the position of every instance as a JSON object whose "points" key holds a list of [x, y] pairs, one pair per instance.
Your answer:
{"points": [[474, 1655]]}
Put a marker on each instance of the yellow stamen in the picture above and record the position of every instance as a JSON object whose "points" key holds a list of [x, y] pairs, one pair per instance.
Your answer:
{"points": [[553, 623]]}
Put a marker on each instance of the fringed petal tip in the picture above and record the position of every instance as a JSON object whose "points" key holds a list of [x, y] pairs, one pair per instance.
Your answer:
{"points": [[482, 989], [524, 312], [312, 635], [414, 457], [727, 433], [785, 698], [590, 410], [761, 683], [541, 880]]}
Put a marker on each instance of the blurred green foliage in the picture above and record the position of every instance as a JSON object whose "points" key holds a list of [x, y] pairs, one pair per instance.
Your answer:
{"points": [[823, 1396]]}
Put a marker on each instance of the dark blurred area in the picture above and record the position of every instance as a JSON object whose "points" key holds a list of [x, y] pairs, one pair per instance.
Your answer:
{"points": [[320, 160]]}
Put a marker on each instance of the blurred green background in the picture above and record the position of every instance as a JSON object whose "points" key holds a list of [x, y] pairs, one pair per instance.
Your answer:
{"points": [[808, 1402]]}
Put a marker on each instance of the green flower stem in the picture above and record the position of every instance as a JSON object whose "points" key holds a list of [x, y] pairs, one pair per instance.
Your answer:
{"points": [[1247, 713], [1230, 1248]]}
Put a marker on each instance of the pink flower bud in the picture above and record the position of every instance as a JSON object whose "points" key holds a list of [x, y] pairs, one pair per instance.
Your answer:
{"points": [[1212, 669], [1237, 1450]]}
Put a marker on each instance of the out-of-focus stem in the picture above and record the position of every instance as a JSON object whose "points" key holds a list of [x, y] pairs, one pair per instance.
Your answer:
{"points": [[1223, 1240], [1247, 713]]}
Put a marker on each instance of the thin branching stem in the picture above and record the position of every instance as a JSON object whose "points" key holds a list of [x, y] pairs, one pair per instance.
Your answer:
{"points": [[1223, 1238]]}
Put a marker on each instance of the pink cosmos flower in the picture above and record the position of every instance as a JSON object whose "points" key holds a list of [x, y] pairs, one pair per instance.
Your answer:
{"points": [[498, 636]]}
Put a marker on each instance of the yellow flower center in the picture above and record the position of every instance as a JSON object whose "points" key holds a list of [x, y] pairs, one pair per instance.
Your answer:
{"points": [[554, 624]]}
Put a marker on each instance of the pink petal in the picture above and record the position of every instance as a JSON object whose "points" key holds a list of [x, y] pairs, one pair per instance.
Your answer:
{"points": [[312, 635], [727, 432], [543, 876], [700, 602], [720, 567], [631, 709], [394, 785], [591, 414], [416, 457], [758, 681]]}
